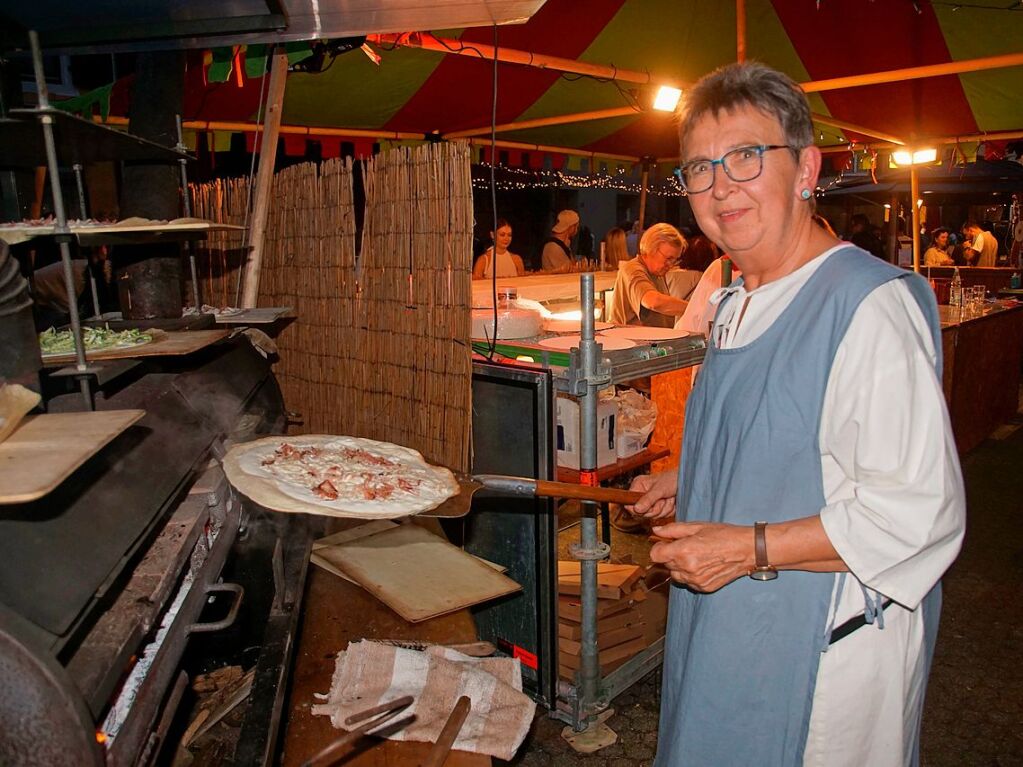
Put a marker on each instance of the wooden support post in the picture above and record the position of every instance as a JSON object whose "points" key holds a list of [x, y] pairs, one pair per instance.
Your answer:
{"points": [[740, 30], [915, 73], [542, 122], [861, 129], [893, 229], [642, 192], [914, 194], [264, 178]]}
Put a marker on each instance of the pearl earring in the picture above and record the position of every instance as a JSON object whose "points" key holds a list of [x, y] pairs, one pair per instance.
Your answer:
{"points": [[805, 194]]}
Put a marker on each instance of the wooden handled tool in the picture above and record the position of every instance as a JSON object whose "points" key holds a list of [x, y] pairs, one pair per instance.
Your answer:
{"points": [[527, 487], [439, 753]]}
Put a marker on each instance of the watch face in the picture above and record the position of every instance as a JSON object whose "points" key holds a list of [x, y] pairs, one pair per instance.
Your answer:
{"points": [[767, 574]]}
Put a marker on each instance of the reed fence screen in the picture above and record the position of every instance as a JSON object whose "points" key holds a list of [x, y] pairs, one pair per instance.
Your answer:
{"points": [[380, 346]]}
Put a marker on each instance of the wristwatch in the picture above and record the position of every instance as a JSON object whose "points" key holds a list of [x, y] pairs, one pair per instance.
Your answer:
{"points": [[761, 571]]}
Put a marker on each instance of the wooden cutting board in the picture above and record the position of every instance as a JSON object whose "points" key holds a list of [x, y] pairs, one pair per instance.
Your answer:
{"points": [[45, 449], [416, 573], [164, 343]]}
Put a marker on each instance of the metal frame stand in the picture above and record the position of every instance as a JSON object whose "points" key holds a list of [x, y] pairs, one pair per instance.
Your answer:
{"points": [[187, 204], [83, 212], [63, 234], [587, 377]]}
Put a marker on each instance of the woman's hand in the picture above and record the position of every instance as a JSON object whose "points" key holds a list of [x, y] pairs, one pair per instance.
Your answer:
{"points": [[704, 555], [658, 501]]}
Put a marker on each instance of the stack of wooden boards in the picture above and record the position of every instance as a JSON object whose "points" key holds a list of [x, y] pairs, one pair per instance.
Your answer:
{"points": [[631, 610]]}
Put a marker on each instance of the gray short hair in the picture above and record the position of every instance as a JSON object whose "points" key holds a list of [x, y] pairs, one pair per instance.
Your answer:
{"points": [[750, 83], [658, 233]]}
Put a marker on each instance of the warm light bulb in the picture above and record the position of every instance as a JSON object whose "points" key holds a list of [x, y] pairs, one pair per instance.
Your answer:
{"points": [[667, 98], [921, 156], [902, 157]]}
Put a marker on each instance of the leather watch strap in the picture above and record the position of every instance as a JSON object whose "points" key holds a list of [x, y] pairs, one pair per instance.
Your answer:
{"points": [[760, 544]]}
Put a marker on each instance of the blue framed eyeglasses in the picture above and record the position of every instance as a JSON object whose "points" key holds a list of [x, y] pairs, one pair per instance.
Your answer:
{"points": [[743, 164]]}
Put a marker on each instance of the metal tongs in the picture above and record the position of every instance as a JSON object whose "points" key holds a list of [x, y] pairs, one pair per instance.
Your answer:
{"points": [[371, 718]]}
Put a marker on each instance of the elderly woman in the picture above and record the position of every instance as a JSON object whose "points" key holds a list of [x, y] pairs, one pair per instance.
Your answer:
{"points": [[641, 295], [819, 499]]}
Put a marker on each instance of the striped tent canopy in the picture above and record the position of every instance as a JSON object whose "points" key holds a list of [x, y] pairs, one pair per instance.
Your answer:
{"points": [[413, 90]]}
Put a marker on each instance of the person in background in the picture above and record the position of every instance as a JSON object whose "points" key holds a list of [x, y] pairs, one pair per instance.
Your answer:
{"points": [[557, 249], [980, 248], [937, 253], [508, 264], [700, 254], [862, 236], [641, 295], [614, 249], [819, 497], [632, 239]]}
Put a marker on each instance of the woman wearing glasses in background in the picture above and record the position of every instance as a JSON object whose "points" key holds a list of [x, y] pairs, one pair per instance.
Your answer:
{"points": [[641, 295], [819, 499]]}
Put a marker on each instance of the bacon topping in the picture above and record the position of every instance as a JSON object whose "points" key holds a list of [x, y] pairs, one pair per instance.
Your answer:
{"points": [[326, 490]]}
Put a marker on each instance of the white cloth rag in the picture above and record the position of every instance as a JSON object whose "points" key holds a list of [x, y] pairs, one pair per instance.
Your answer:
{"points": [[368, 674]]}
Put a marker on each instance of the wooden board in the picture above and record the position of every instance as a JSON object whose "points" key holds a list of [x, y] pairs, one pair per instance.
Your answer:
{"points": [[417, 574], [574, 631], [263, 315], [613, 581], [609, 659], [335, 612], [571, 608], [165, 343], [45, 449], [604, 641]]}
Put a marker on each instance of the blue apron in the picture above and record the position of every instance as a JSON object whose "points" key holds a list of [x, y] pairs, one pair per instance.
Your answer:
{"points": [[740, 664]]}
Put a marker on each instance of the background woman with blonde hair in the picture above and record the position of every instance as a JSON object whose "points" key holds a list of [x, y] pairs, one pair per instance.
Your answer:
{"points": [[615, 251]]}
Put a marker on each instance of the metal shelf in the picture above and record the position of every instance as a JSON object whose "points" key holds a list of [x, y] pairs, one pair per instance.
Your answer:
{"points": [[629, 364], [78, 141]]}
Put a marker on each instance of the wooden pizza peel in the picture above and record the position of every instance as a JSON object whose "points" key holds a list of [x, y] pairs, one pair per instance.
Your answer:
{"points": [[524, 487], [270, 497]]}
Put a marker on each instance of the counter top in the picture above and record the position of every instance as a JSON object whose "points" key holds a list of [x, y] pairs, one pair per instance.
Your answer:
{"points": [[952, 317], [540, 286]]}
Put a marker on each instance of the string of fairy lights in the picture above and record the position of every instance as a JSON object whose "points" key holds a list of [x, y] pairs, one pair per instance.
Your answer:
{"points": [[508, 179]]}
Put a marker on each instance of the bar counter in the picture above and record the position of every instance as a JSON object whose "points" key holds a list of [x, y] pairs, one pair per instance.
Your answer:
{"points": [[982, 356], [993, 278], [543, 287]]}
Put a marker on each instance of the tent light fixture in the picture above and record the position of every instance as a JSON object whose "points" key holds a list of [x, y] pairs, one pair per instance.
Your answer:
{"points": [[905, 157], [667, 98]]}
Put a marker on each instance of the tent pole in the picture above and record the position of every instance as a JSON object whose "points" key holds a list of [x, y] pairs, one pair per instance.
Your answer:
{"points": [[642, 191], [740, 30], [484, 52], [893, 228], [915, 73], [914, 194], [265, 177], [846, 126], [291, 130], [476, 141], [599, 114]]}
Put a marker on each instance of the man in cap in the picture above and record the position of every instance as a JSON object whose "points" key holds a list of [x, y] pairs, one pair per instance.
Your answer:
{"points": [[557, 249]]}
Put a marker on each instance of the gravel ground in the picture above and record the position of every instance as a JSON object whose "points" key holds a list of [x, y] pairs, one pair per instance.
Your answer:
{"points": [[974, 711]]}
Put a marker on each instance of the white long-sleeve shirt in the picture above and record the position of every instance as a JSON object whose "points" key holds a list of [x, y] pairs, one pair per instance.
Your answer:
{"points": [[894, 501]]}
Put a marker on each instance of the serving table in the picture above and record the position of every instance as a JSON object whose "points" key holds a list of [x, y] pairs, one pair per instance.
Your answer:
{"points": [[982, 356], [335, 613]]}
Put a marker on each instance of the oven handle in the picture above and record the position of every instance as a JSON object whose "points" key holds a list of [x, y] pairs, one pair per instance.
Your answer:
{"points": [[232, 614]]}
